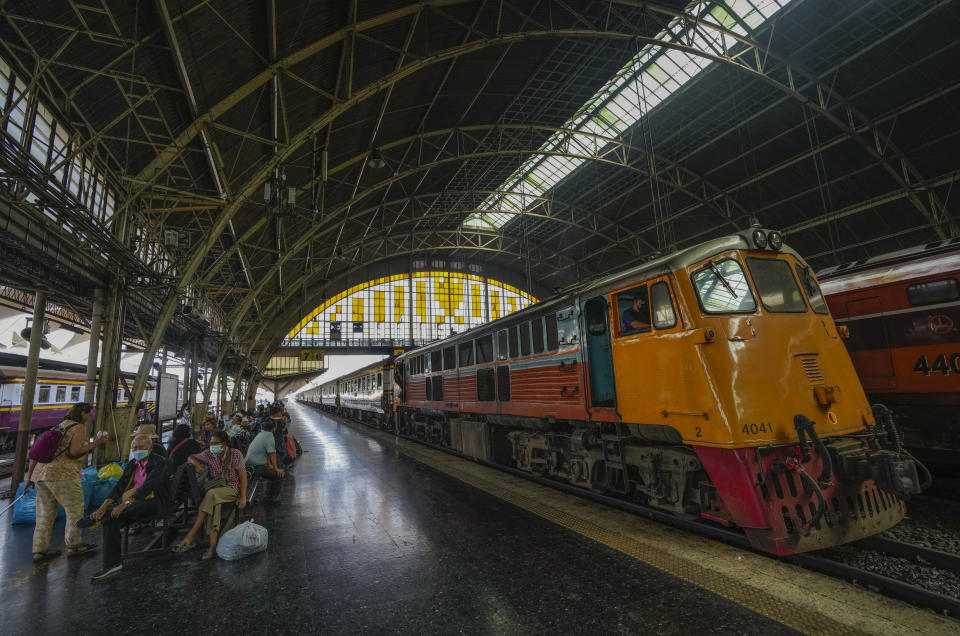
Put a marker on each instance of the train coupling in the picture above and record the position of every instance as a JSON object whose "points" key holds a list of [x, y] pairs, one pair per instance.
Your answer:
{"points": [[891, 470]]}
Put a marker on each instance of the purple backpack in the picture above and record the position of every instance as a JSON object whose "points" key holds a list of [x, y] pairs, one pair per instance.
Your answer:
{"points": [[44, 449]]}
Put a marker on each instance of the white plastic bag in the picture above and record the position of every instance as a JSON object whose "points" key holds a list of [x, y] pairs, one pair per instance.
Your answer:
{"points": [[246, 539]]}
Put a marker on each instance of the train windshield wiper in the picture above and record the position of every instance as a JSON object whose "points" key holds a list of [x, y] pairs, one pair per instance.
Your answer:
{"points": [[716, 272]]}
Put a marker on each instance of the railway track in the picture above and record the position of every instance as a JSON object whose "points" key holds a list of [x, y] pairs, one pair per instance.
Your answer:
{"points": [[913, 594]]}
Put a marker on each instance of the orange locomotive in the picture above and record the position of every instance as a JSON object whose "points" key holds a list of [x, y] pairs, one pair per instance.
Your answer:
{"points": [[711, 382], [903, 312]]}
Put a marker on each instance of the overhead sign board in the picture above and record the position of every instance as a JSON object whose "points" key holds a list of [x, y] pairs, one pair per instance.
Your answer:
{"points": [[311, 355]]}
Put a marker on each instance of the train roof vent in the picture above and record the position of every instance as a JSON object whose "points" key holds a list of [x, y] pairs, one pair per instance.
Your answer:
{"points": [[812, 368]]}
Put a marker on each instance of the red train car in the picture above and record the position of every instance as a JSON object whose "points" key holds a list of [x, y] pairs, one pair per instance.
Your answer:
{"points": [[903, 313]]}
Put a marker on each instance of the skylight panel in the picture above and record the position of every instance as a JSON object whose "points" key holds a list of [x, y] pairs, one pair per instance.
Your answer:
{"points": [[651, 77]]}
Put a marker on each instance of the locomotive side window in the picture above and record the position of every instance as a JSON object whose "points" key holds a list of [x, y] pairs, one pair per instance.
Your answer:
{"points": [[814, 295], [722, 288], [633, 307], [44, 395], [514, 342], [663, 315], [449, 358], [502, 345], [536, 330], [484, 349], [553, 339], [525, 338], [937, 291], [466, 353], [776, 285], [436, 361]]}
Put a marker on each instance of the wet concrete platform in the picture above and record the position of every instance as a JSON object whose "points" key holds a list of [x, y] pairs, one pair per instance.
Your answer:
{"points": [[367, 540]]}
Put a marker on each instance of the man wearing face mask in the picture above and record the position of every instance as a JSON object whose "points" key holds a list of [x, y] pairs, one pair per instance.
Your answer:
{"points": [[140, 494]]}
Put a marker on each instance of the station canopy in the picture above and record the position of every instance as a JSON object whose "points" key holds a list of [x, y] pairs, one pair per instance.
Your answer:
{"points": [[235, 164]]}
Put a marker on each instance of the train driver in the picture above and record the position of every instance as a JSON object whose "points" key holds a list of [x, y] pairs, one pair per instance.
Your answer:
{"points": [[636, 317]]}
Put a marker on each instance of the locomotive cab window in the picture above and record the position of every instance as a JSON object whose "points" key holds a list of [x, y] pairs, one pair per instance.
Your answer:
{"points": [[436, 361], [722, 288], [595, 318], [776, 285], [814, 295], [937, 291], [502, 345], [664, 316], [633, 307]]}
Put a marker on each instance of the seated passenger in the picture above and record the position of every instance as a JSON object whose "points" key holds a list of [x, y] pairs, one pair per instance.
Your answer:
{"points": [[209, 426], [150, 430], [140, 494], [262, 458], [226, 484], [636, 317], [182, 446]]}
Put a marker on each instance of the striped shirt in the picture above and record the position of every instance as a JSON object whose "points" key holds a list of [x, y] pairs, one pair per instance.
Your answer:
{"points": [[214, 464]]}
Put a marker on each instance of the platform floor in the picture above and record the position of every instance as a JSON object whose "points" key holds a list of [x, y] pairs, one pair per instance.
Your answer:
{"points": [[369, 540]]}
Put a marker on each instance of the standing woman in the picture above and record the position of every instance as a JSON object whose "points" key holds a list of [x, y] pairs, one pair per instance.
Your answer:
{"points": [[227, 485], [58, 484]]}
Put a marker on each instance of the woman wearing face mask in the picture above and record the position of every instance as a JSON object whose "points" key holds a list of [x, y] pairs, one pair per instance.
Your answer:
{"points": [[57, 485], [227, 485]]}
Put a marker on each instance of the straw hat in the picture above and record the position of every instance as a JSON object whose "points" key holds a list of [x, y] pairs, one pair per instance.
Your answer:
{"points": [[146, 429]]}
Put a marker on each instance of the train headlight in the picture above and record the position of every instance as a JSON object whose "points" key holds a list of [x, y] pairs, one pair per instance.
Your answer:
{"points": [[776, 240], [760, 239]]}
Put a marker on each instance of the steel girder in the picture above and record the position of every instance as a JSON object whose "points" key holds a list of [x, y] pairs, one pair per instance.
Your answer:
{"points": [[750, 58]]}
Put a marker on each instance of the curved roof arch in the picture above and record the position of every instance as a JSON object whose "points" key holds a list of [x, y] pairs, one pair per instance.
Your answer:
{"points": [[807, 122]]}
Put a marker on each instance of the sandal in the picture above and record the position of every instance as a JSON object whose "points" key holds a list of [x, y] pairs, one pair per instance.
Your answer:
{"points": [[40, 557], [208, 554], [184, 546], [83, 548]]}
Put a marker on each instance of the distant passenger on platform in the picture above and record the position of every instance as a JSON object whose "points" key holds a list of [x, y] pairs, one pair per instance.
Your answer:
{"points": [[637, 316], [139, 495], [262, 458], [226, 484], [150, 430], [186, 414], [181, 446], [58, 485]]}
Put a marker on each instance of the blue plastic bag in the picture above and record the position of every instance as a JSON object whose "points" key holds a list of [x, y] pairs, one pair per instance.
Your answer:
{"points": [[99, 491], [25, 510]]}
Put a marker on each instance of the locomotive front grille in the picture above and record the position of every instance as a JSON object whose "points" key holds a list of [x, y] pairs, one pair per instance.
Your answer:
{"points": [[812, 368]]}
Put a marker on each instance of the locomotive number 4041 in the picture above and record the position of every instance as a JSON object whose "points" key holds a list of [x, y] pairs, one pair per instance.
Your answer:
{"points": [[941, 364], [756, 429]]}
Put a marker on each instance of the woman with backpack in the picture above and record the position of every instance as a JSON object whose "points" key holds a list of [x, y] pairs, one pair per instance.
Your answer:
{"points": [[58, 483]]}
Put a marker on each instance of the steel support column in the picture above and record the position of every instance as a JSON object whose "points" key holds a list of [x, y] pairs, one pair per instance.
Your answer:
{"points": [[96, 320], [29, 389]]}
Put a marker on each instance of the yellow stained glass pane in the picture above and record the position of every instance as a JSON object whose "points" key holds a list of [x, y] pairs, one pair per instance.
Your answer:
{"points": [[512, 304], [476, 300], [495, 304], [398, 303], [422, 300], [358, 309], [379, 306]]}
